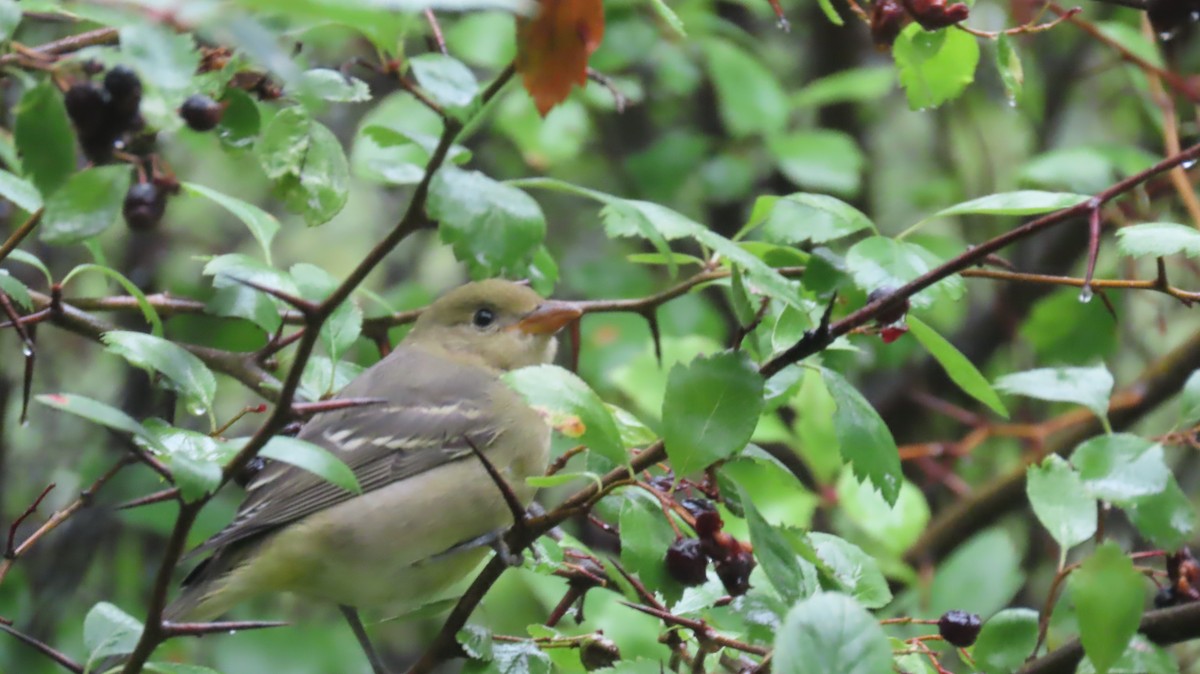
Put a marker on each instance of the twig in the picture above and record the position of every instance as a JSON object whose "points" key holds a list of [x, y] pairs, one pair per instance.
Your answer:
{"points": [[92, 38], [10, 548], [57, 656], [23, 231]]}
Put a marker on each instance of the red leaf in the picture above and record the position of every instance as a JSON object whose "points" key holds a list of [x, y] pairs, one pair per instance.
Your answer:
{"points": [[553, 48]]}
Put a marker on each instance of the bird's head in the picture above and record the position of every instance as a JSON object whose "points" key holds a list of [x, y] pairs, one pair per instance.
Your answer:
{"points": [[504, 324]]}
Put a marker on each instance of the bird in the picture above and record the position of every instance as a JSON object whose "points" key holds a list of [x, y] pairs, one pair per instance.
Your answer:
{"points": [[428, 506]]}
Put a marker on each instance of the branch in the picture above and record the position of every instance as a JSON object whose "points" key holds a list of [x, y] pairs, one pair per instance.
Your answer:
{"points": [[1163, 627]]}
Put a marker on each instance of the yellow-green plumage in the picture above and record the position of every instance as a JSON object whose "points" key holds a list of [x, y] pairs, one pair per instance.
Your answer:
{"points": [[424, 491]]}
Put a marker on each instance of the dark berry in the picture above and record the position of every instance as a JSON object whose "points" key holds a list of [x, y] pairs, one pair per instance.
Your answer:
{"points": [[696, 506], [887, 20], [1165, 598], [144, 206], [687, 563], [734, 572], [87, 105], [708, 524], [959, 627], [126, 91], [201, 112], [893, 312], [91, 67], [599, 653]]}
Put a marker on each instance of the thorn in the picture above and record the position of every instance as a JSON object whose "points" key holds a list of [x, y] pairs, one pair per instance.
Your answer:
{"points": [[510, 497], [305, 409], [201, 629], [651, 316], [150, 499]]}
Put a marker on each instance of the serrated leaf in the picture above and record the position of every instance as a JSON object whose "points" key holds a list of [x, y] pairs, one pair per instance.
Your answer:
{"points": [[306, 162], [960, 370], [802, 217], [1006, 640], [493, 227], [863, 438], [1121, 467], [262, 225], [20, 192], [1087, 386], [1061, 502], [331, 85], [1158, 239], [881, 262], [793, 577], [710, 410], [645, 536], [445, 79], [85, 205], [832, 634], [856, 573], [12, 287], [934, 66], [96, 411], [44, 138], [1108, 597], [184, 372], [108, 631], [1023, 202], [1167, 519], [572, 404]]}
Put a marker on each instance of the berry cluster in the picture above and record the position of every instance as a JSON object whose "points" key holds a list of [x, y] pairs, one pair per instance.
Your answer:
{"points": [[105, 114], [687, 558]]}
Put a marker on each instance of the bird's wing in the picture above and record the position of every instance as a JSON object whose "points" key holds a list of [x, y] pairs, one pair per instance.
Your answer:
{"points": [[425, 423]]}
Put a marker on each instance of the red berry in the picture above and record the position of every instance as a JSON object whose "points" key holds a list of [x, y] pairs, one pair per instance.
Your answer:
{"points": [[687, 563], [959, 627], [201, 112], [144, 206]]}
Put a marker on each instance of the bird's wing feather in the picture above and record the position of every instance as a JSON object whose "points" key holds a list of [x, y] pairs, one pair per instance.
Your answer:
{"points": [[425, 423]]}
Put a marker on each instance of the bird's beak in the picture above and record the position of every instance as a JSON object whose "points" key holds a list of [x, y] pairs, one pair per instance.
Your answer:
{"points": [[549, 317]]}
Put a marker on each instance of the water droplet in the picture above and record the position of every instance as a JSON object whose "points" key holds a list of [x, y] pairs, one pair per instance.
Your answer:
{"points": [[1166, 35], [27, 351], [1086, 294], [1012, 101], [232, 632], [1188, 164]]}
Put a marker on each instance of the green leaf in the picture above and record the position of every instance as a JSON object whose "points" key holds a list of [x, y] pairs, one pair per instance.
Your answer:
{"points": [[1006, 639], [262, 225], [313, 458], [96, 411], [893, 527], [1108, 596], [344, 325], [492, 226], [108, 631], [1087, 386], [447, 81], [802, 217], [880, 262], [829, 161], [1121, 467], [185, 373], [1189, 400], [990, 554], [331, 85], [1061, 502], [668, 16], [10, 18], [12, 287], [960, 370], [1167, 519], [856, 573], [241, 122], [148, 310], [864, 440], [1158, 239], [31, 260], [87, 204], [20, 192], [306, 163], [710, 409], [564, 395], [165, 59], [44, 138], [1008, 63], [936, 66], [178, 668], [1023, 202], [832, 634], [519, 657], [775, 548], [854, 85], [476, 641], [237, 299], [749, 96], [1142, 656]]}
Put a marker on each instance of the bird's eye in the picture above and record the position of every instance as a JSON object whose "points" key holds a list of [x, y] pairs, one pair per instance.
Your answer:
{"points": [[483, 318]]}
